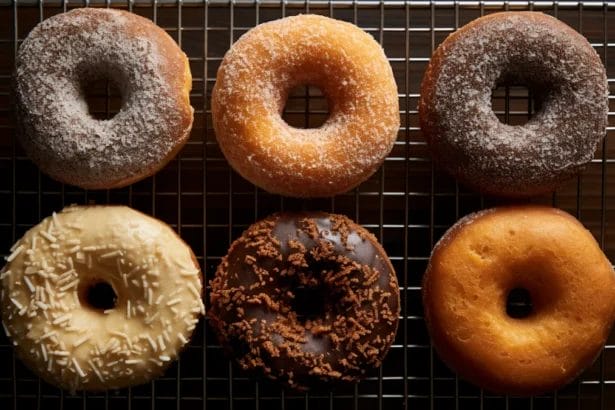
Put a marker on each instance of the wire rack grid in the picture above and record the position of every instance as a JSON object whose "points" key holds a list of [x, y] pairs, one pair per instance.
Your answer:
{"points": [[408, 204]]}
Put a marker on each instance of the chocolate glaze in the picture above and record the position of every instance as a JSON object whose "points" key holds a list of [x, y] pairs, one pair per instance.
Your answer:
{"points": [[327, 258]]}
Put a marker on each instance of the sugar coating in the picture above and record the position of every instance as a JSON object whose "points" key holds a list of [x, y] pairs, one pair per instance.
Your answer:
{"points": [[56, 61], [464, 134], [252, 87]]}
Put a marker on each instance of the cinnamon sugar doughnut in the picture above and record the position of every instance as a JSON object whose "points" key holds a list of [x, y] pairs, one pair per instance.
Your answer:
{"points": [[484, 257], [100, 297], [54, 64], [308, 299], [563, 72], [252, 86]]}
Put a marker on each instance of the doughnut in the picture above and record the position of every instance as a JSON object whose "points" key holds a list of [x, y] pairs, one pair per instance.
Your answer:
{"points": [[100, 297], [54, 66], [562, 71], [253, 84], [474, 270], [309, 299]]}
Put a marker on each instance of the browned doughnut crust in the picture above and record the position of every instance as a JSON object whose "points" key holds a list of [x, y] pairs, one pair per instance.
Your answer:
{"points": [[563, 72], [55, 62], [486, 255], [352, 310], [252, 86]]}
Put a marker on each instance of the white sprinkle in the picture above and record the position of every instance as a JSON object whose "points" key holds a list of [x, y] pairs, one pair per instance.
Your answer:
{"points": [[5, 274], [30, 270], [133, 361], [81, 373], [15, 253], [151, 318], [151, 341], [182, 338], [150, 296], [93, 366], [73, 241], [62, 353], [90, 248], [185, 272], [66, 276], [56, 222], [74, 249], [48, 334], [48, 236], [6, 329], [81, 341], [33, 246], [44, 351], [54, 246], [125, 279], [128, 310], [42, 305], [164, 357], [107, 311], [173, 302], [24, 310], [49, 364], [62, 319], [15, 245], [193, 290], [113, 363], [110, 254], [159, 299], [69, 286], [16, 303], [161, 342]]}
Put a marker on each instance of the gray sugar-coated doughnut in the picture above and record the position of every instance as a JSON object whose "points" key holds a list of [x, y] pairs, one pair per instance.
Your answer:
{"points": [[55, 62], [465, 136]]}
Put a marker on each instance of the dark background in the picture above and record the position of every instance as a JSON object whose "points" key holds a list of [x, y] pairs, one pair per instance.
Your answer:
{"points": [[408, 204]]}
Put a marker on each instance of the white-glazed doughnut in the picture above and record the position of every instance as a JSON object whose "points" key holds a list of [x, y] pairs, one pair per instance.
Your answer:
{"points": [[53, 310]]}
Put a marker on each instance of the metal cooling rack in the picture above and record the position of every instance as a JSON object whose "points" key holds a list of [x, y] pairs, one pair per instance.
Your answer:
{"points": [[408, 204]]}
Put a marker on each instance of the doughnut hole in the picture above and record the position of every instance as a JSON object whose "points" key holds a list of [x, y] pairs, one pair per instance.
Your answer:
{"points": [[514, 104], [306, 107], [519, 303], [312, 298], [102, 95], [97, 295]]}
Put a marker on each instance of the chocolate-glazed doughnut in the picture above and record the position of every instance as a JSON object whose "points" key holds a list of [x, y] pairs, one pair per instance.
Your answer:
{"points": [[569, 84], [307, 299]]}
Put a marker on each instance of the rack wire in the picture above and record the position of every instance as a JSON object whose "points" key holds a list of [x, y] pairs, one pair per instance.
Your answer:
{"points": [[408, 204]]}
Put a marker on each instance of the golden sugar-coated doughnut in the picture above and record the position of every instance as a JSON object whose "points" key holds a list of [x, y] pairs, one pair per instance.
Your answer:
{"points": [[100, 297], [252, 86], [474, 268], [54, 65], [309, 299], [568, 83]]}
